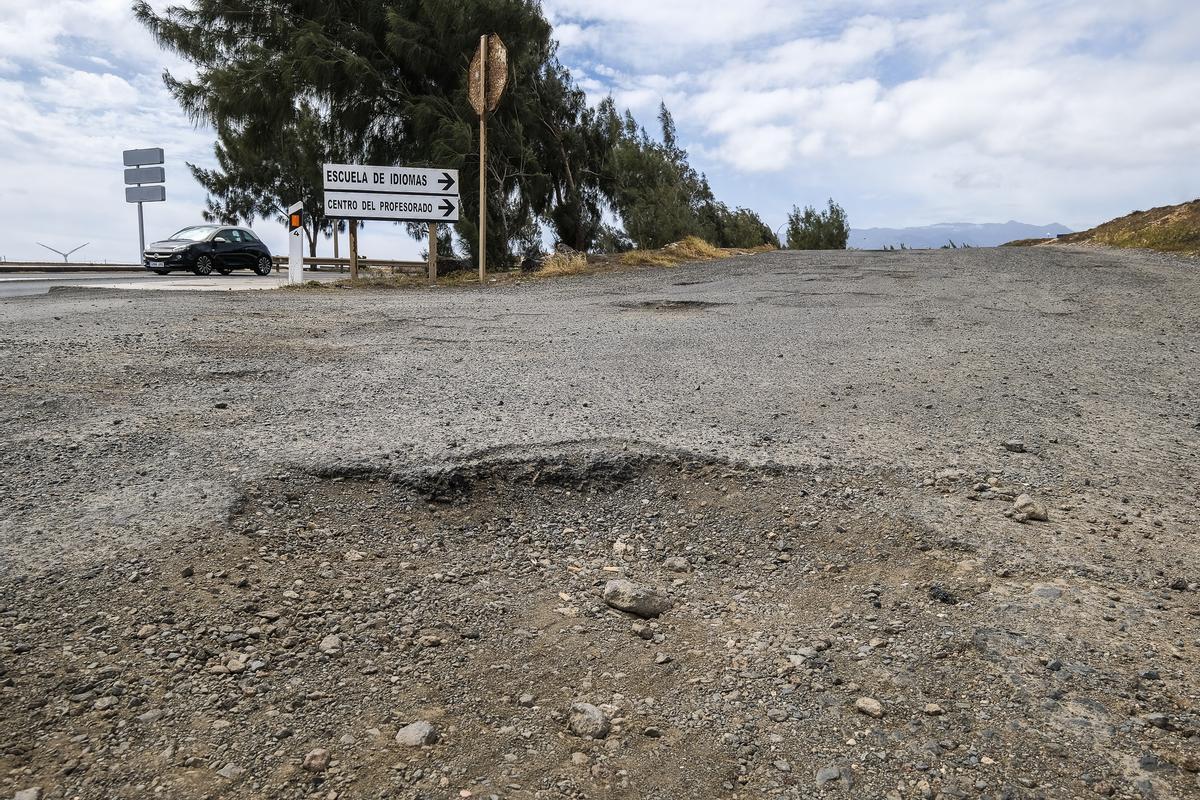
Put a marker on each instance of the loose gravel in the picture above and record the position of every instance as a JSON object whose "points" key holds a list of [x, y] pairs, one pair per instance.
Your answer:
{"points": [[896, 525]]}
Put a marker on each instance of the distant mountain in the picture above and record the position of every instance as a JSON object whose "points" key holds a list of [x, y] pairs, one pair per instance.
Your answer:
{"points": [[991, 234]]}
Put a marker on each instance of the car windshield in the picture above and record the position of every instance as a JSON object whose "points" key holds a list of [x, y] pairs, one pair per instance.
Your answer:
{"points": [[195, 233]]}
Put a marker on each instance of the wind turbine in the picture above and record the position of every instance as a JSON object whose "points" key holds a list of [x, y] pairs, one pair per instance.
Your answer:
{"points": [[66, 256]]}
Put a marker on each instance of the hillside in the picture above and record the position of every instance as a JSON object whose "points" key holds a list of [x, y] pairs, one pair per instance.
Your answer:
{"points": [[1170, 229], [991, 234]]}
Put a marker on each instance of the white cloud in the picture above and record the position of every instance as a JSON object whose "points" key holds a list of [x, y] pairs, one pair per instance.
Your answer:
{"points": [[88, 90], [906, 111], [987, 106]]}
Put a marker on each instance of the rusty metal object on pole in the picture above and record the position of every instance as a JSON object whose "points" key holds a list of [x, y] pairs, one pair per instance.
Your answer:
{"points": [[488, 76]]}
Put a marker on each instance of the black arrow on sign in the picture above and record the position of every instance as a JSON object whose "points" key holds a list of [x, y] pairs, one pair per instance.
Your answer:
{"points": [[448, 207], [446, 181]]}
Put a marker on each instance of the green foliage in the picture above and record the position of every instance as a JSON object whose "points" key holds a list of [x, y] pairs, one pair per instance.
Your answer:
{"points": [[290, 84], [818, 230], [257, 170], [661, 197]]}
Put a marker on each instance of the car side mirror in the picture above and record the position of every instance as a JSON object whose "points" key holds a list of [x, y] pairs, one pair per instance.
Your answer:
{"points": [[220, 239]]}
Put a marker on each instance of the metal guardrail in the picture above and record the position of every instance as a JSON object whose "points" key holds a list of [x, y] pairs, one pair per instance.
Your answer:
{"points": [[407, 267], [80, 266]]}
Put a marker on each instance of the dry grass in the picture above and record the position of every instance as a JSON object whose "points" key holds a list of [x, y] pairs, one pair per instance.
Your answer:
{"points": [[690, 250], [564, 264], [1170, 229], [556, 265]]}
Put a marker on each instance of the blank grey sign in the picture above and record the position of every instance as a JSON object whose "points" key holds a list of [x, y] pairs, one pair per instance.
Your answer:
{"points": [[145, 175], [145, 194], [140, 158]]}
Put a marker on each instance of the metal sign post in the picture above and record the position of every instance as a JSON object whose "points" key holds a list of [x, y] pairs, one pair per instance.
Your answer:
{"points": [[296, 244], [488, 77], [139, 188]]}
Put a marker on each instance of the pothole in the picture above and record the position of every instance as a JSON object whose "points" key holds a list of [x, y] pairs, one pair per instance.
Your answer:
{"points": [[343, 607], [671, 305]]}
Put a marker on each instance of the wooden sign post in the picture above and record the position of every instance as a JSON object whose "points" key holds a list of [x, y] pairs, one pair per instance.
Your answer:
{"points": [[353, 249], [488, 80], [432, 253]]}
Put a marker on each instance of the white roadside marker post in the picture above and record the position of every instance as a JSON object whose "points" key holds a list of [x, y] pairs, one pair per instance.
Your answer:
{"points": [[296, 244]]}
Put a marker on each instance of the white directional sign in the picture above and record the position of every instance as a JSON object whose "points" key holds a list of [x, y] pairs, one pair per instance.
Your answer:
{"points": [[145, 194], [139, 175], [140, 158], [405, 180], [396, 194], [394, 207]]}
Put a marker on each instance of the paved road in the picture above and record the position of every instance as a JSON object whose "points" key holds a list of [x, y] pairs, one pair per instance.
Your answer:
{"points": [[926, 360], [37, 283]]}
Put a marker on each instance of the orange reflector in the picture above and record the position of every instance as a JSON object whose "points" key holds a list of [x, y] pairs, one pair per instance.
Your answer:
{"points": [[295, 221]]}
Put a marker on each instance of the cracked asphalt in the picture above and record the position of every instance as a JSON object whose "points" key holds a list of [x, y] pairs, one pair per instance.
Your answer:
{"points": [[129, 418], [933, 520]]}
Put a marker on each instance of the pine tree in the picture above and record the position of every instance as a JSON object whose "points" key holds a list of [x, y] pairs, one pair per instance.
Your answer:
{"points": [[818, 230]]}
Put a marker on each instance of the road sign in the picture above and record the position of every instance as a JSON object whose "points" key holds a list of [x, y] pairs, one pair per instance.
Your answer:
{"points": [[145, 194], [145, 175], [488, 80], [141, 158], [391, 207], [142, 176], [403, 180]]}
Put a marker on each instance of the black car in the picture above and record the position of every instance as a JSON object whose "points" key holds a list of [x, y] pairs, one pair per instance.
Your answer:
{"points": [[204, 249]]}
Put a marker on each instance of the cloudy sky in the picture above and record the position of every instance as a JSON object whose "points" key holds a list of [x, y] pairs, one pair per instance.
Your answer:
{"points": [[908, 112]]}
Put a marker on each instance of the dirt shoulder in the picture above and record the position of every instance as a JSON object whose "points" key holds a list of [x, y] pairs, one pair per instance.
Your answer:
{"points": [[248, 541]]}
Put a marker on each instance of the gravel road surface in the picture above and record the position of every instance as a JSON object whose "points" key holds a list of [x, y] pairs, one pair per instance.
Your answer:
{"points": [[17, 284], [923, 524]]}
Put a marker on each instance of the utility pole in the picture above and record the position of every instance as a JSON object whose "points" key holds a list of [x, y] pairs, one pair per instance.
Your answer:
{"points": [[483, 201]]}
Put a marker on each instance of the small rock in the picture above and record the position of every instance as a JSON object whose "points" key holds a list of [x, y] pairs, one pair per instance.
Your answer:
{"points": [[934, 710], [638, 600], [153, 715], [828, 775], [869, 706], [677, 564], [652, 732], [1031, 509], [943, 595], [146, 631], [105, 703], [417, 734], [34, 793], [1014, 446], [587, 721], [316, 760], [230, 771], [331, 645], [526, 701], [187, 572]]}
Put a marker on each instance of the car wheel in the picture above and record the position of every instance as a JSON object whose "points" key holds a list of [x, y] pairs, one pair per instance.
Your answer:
{"points": [[204, 266], [264, 266]]}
